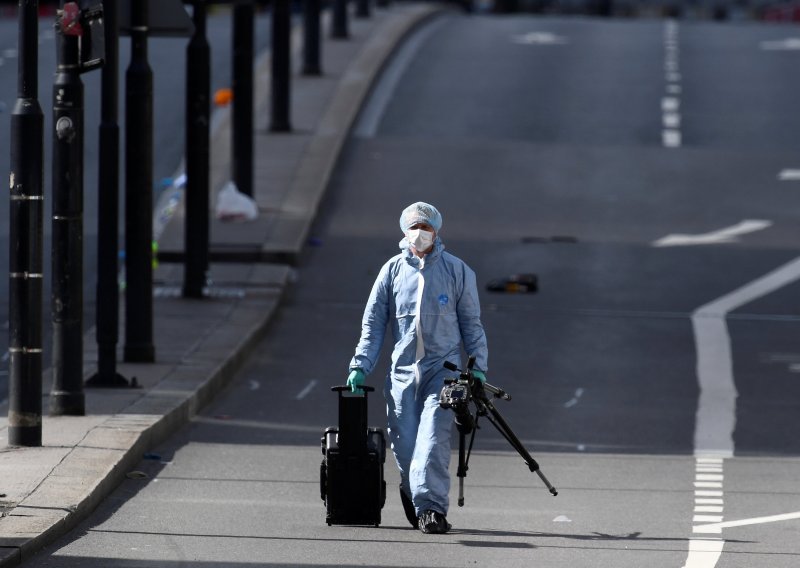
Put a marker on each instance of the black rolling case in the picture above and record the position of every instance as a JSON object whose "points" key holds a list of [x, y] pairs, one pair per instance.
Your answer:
{"points": [[351, 474]]}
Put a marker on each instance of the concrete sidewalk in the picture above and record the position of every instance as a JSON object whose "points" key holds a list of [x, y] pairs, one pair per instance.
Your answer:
{"points": [[46, 491]]}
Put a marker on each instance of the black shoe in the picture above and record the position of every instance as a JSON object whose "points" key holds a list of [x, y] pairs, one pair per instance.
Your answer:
{"points": [[408, 507], [433, 522]]}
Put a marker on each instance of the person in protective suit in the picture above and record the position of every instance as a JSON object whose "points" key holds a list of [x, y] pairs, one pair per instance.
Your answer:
{"points": [[429, 300]]}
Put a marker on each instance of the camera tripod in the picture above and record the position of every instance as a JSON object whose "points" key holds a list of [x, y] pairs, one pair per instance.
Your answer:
{"points": [[457, 395]]}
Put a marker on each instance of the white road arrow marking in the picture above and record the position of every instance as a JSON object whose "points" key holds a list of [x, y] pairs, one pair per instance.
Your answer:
{"points": [[726, 235], [717, 527], [788, 44], [539, 38]]}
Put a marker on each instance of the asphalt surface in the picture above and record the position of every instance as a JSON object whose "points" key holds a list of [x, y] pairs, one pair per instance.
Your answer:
{"points": [[546, 155]]}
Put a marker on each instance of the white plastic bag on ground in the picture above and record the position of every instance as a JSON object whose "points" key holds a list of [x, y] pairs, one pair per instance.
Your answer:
{"points": [[233, 205]]}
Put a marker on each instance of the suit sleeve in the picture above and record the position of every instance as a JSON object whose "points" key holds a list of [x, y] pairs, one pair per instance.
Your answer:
{"points": [[469, 321], [373, 323]]}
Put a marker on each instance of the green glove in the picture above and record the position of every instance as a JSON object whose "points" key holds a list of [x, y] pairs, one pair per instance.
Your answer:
{"points": [[355, 379], [479, 375]]}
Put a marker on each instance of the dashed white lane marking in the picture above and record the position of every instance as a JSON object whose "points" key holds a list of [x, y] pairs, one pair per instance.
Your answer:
{"points": [[789, 175], [705, 552], [539, 38], [309, 387], [574, 400], [671, 133], [726, 235]]}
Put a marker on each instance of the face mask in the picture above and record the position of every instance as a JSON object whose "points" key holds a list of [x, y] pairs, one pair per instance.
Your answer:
{"points": [[419, 239]]}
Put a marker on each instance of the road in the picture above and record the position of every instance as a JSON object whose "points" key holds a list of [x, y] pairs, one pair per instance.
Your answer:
{"points": [[166, 55], [641, 169]]}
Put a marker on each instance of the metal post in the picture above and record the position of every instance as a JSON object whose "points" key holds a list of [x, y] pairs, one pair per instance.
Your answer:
{"points": [[66, 397], [281, 65], [362, 9], [25, 235], [311, 39], [339, 20], [242, 155], [139, 193], [107, 314], [198, 113]]}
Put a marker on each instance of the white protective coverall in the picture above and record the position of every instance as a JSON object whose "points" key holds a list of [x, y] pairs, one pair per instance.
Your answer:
{"points": [[431, 305]]}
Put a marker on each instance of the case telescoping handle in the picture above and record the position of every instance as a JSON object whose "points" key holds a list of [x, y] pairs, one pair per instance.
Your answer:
{"points": [[352, 419], [346, 388]]}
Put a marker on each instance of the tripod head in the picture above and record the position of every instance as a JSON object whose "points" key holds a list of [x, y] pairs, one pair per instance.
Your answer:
{"points": [[476, 386]]}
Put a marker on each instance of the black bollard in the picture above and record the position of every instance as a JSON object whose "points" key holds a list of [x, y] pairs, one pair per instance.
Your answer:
{"points": [[26, 214], [67, 397], [362, 9], [107, 310], [198, 113], [281, 65], [339, 20], [311, 39], [139, 346], [242, 136]]}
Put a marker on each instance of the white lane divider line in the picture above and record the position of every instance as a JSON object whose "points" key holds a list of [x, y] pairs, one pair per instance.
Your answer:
{"points": [[789, 175], [370, 117], [704, 553], [717, 527], [716, 410], [309, 387], [670, 104], [720, 236]]}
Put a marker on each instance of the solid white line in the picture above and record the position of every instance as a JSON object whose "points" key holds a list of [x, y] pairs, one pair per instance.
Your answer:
{"points": [[705, 493], [711, 528], [716, 411], [371, 115], [708, 484], [303, 393], [701, 501], [704, 553]]}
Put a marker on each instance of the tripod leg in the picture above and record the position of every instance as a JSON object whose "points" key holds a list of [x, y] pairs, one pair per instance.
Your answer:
{"points": [[500, 424], [462, 467]]}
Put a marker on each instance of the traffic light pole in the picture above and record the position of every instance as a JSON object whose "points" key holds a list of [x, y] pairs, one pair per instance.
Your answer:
{"points": [[67, 397]]}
